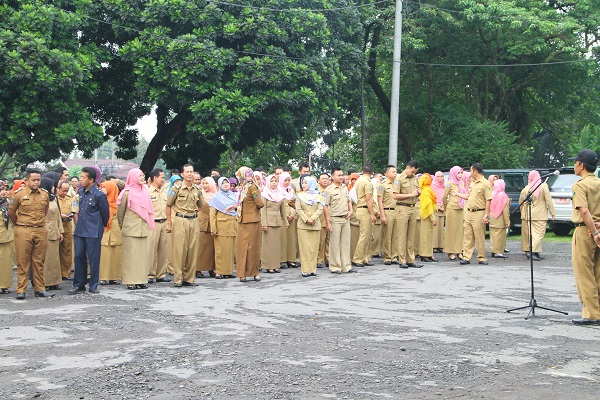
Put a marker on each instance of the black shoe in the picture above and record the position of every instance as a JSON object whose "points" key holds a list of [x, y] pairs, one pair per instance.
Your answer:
{"points": [[131, 287], [42, 294], [305, 274], [283, 266], [113, 282], [357, 264], [483, 262], [321, 266], [277, 271], [189, 283], [177, 285], [464, 262], [212, 273], [141, 286], [104, 283], [396, 262], [413, 265], [21, 296], [498, 255], [387, 263], [311, 274], [352, 270], [403, 266], [151, 280], [76, 290], [535, 258], [65, 279], [585, 321], [94, 291], [506, 250], [336, 272], [538, 255], [369, 263], [257, 279], [200, 275], [163, 279], [428, 259]]}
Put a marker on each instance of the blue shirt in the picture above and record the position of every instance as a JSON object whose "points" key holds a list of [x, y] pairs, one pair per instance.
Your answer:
{"points": [[93, 213]]}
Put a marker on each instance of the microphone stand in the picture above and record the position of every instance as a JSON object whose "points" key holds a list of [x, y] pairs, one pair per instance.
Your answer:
{"points": [[532, 302]]}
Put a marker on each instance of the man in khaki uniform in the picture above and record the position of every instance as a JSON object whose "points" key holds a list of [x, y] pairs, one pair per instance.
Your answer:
{"points": [[322, 257], [183, 201], [375, 247], [31, 235], [477, 211], [366, 217], [407, 214], [304, 169], [586, 238], [157, 237], [337, 219], [69, 206], [387, 210]]}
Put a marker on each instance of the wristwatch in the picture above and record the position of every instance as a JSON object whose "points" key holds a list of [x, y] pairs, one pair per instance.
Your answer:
{"points": [[595, 233], [486, 216]]}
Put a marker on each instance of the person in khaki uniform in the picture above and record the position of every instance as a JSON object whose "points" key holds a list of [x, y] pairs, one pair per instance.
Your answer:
{"points": [[309, 207], [427, 210], [375, 248], [111, 256], [54, 226], [183, 201], [250, 202], [366, 217], [439, 186], [135, 214], [288, 236], [453, 204], [7, 237], [586, 238], [223, 225], [31, 237], [476, 215], [354, 224], [322, 259], [206, 243], [273, 217], [387, 211], [499, 219], [157, 237], [174, 179], [68, 213], [407, 214], [337, 210], [541, 206]]}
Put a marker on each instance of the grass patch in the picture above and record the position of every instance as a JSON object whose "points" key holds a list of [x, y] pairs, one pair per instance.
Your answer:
{"points": [[548, 237]]}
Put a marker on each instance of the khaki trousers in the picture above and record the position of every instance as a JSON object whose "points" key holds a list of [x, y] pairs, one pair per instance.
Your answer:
{"points": [[438, 231], [291, 237], [157, 250], [184, 237], [354, 235], [31, 244], [474, 235], [6, 265], [169, 254], [426, 240], [339, 245], [376, 242], [497, 240], [308, 243], [538, 229], [406, 218], [363, 247], [66, 250], [323, 246], [586, 268], [389, 236]]}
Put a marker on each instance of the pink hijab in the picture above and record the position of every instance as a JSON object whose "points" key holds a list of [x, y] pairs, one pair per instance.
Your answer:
{"points": [[272, 194], [212, 188], [534, 177], [499, 198], [439, 188], [288, 192], [464, 187], [138, 199]]}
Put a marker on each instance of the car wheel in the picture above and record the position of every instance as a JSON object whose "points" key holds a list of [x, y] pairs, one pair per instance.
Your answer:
{"points": [[562, 229]]}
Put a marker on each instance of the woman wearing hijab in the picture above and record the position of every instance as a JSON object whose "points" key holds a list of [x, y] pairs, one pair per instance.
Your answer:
{"points": [[453, 205], [309, 207], [7, 238], [54, 226], [111, 256], [136, 217], [206, 252], [354, 224], [233, 184], [439, 187], [272, 216], [427, 208], [499, 219], [174, 179], [541, 206], [17, 184], [289, 235], [223, 226], [493, 178], [249, 233]]}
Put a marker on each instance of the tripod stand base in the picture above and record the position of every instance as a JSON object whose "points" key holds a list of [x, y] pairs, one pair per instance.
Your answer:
{"points": [[532, 306]]}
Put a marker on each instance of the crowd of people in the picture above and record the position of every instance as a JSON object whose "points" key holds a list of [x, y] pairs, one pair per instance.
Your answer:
{"points": [[146, 230]]}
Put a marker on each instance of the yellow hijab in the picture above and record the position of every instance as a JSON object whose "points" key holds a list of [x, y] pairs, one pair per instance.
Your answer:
{"points": [[427, 200]]}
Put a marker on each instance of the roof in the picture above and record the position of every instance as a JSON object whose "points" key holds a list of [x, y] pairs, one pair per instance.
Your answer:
{"points": [[118, 168]]}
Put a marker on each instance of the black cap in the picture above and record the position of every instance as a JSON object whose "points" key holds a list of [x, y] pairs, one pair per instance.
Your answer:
{"points": [[587, 157]]}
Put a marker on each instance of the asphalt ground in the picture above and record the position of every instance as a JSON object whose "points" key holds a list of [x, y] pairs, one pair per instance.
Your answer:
{"points": [[440, 332]]}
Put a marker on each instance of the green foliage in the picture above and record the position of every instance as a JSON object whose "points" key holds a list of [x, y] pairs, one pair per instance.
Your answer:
{"points": [[589, 138], [75, 171]]}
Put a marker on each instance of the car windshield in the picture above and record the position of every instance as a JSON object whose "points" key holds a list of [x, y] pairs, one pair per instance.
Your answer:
{"points": [[562, 183]]}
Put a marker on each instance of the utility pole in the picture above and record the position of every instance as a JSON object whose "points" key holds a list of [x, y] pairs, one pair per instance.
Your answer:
{"points": [[395, 108], [363, 128]]}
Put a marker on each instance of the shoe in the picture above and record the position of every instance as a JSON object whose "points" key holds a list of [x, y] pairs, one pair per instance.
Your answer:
{"points": [[200, 275], [357, 264], [113, 282], [76, 290], [313, 274], [506, 250], [369, 263], [498, 255], [177, 285], [163, 279], [292, 264], [20, 296], [396, 262], [538, 255], [428, 259], [535, 258], [257, 279], [269, 271], [387, 263], [304, 274], [283, 266], [141, 286], [452, 257], [352, 270], [4, 291], [464, 262], [336, 272], [151, 280], [131, 287], [321, 266], [212, 273], [94, 291], [403, 266], [413, 265], [66, 279], [104, 283], [218, 276], [375, 256], [243, 279], [585, 321], [276, 271], [483, 262], [42, 294], [184, 283]]}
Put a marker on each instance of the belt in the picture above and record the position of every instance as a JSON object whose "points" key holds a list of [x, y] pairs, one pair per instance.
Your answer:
{"points": [[160, 221], [390, 208], [362, 207], [405, 204], [475, 209], [30, 226], [578, 224], [186, 216], [338, 216]]}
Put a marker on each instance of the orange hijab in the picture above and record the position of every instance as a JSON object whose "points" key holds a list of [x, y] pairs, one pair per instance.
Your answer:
{"points": [[427, 199], [112, 194], [17, 183]]}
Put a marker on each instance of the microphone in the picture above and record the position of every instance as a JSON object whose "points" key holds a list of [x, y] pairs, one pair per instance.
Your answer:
{"points": [[556, 173]]}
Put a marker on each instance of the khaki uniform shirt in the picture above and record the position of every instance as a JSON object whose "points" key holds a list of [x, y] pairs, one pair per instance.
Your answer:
{"points": [[159, 201], [451, 202], [386, 192], [184, 200], [31, 207], [305, 212], [540, 206], [363, 187], [251, 205], [223, 224], [7, 235], [336, 198], [407, 185], [586, 194], [131, 223], [54, 224], [273, 214], [503, 219], [66, 208], [480, 192]]}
